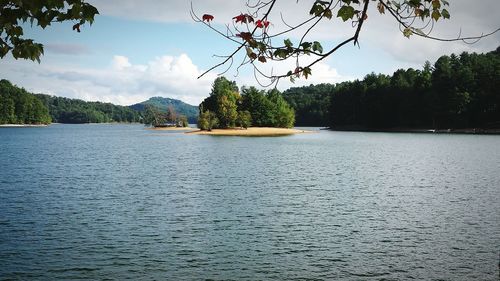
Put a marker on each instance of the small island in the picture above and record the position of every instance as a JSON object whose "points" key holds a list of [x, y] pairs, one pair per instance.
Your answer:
{"points": [[254, 112]]}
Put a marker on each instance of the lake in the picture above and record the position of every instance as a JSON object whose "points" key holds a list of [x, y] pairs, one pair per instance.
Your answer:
{"points": [[119, 202]]}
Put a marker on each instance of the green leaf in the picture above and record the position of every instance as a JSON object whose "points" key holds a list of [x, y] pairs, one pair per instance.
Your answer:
{"points": [[317, 47], [407, 32], [306, 71], [261, 46], [288, 43], [346, 12], [436, 4], [281, 53], [436, 15], [306, 45], [415, 3], [445, 14], [316, 9]]}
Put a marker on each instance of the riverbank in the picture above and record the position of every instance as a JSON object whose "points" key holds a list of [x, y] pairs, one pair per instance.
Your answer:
{"points": [[477, 131], [251, 132], [22, 125]]}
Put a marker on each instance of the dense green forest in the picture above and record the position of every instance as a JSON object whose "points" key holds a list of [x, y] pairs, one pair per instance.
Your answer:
{"points": [[458, 91], [66, 110], [311, 104], [227, 108], [163, 104], [17, 106]]}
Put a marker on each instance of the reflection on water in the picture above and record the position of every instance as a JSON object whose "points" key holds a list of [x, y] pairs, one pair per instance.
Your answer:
{"points": [[117, 201]]}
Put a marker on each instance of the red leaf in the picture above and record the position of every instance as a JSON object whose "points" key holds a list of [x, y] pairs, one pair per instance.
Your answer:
{"points": [[243, 18], [247, 36], [262, 23], [207, 17]]}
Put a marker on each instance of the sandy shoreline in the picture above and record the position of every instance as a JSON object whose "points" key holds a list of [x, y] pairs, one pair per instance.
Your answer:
{"points": [[252, 131], [22, 125]]}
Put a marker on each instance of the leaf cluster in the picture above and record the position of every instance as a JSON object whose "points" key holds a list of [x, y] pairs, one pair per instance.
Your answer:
{"points": [[14, 13]]}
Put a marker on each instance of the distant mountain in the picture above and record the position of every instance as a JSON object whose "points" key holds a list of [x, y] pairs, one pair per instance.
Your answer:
{"points": [[190, 111]]}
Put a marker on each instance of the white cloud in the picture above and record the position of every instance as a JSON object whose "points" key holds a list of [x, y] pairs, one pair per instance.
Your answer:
{"points": [[120, 63], [121, 83]]}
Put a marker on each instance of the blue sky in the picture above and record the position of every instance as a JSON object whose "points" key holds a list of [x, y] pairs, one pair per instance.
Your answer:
{"points": [[139, 49]]}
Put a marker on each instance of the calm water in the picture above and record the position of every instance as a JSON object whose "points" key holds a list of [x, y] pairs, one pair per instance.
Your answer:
{"points": [[120, 202]]}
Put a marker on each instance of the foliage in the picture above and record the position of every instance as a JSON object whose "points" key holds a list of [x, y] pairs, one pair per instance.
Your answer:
{"points": [[190, 111], [244, 119], [268, 109], [14, 13], [262, 41], [75, 111], [183, 121], [456, 92], [223, 102], [252, 107], [152, 116], [155, 117], [207, 120], [311, 104], [17, 106]]}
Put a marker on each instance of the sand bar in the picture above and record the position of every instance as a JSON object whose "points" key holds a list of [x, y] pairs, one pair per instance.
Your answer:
{"points": [[250, 132], [22, 125]]}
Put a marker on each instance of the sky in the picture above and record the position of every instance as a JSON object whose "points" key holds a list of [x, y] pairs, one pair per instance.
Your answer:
{"points": [[139, 49]]}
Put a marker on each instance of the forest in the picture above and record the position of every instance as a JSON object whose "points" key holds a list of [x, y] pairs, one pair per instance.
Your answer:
{"points": [[75, 111], [17, 106], [227, 108], [457, 91]]}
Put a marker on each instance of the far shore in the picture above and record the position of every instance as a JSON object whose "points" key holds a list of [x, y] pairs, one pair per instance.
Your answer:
{"points": [[250, 132], [477, 131], [22, 125]]}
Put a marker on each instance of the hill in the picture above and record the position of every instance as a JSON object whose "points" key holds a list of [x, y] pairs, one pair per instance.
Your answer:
{"points": [[18, 106], [75, 111], [190, 111]]}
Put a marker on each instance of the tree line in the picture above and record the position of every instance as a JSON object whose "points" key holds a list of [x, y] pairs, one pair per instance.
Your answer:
{"points": [[457, 91], [75, 111], [17, 106], [226, 107]]}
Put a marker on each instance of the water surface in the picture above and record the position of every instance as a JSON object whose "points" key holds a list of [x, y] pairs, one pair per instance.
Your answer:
{"points": [[120, 202]]}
